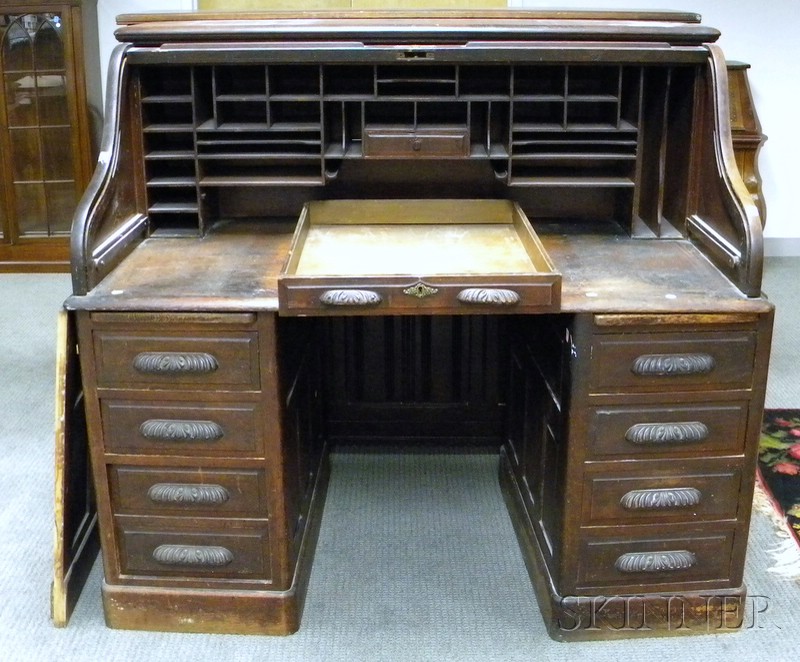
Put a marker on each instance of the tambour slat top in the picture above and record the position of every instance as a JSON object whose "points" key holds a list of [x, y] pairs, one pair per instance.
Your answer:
{"points": [[677, 28]]}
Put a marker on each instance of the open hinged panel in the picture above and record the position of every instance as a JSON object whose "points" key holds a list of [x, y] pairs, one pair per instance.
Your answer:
{"points": [[416, 256], [76, 537]]}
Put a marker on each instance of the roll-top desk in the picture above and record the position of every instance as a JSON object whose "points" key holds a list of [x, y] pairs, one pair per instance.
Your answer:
{"points": [[521, 231]]}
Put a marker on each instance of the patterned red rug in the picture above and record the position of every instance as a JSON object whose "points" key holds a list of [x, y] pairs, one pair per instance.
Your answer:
{"points": [[779, 462]]}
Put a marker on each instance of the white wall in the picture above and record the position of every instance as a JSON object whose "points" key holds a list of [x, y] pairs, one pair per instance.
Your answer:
{"points": [[107, 12], [765, 34]]}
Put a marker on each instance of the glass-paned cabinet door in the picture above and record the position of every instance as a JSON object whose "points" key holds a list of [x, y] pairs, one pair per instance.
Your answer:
{"points": [[39, 163]]}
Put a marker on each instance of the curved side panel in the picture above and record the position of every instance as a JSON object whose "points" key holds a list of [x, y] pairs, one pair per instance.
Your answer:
{"points": [[726, 225], [107, 219]]}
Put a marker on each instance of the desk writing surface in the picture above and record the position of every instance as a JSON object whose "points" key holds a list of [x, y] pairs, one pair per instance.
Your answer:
{"points": [[236, 267], [602, 273], [400, 249]]}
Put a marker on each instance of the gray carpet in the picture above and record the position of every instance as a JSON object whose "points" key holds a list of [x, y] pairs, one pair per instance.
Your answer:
{"points": [[781, 280], [416, 559]]}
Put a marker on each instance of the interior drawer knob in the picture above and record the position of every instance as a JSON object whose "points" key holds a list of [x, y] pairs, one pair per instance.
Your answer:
{"points": [[656, 561], [656, 499], [350, 298], [193, 555], [188, 493], [488, 296], [175, 363], [673, 365]]}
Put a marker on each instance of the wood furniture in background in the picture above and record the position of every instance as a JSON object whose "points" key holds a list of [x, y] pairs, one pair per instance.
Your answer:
{"points": [[619, 372], [49, 127], [746, 130]]}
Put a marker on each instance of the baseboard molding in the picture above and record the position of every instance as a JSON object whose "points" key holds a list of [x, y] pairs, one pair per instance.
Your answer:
{"points": [[782, 246]]}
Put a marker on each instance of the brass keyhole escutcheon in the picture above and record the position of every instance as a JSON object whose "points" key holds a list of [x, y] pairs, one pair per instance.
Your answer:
{"points": [[420, 290]]}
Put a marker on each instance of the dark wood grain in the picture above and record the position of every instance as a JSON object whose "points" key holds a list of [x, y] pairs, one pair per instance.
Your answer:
{"points": [[624, 398], [50, 129]]}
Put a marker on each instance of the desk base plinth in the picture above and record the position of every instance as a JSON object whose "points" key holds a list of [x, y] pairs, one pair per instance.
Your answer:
{"points": [[211, 612]]}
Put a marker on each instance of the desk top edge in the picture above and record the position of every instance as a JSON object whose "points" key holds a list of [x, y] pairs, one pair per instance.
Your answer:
{"points": [[672, 16], [410, 26]]}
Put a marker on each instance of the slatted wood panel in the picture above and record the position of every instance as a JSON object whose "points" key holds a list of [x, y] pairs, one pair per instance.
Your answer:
{"points": [[427, 379]]}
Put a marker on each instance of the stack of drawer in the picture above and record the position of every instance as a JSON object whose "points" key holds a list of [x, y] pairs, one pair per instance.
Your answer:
{"points": [[186, 472], [666, 469]]}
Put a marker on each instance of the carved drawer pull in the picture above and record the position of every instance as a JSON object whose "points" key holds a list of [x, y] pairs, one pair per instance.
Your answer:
{"points": [[488, 296], [158, 429], [175, 363], [656, 561], [193, 555], [689, 432], [188, 493], [350, 298], [672, 365], [676, 497]]}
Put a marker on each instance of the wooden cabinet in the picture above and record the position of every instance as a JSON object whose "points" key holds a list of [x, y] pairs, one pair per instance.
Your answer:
{"points": [[747, 135], [694, 487], [292, 243], [630, 472], [193, 445], [49, 125]]}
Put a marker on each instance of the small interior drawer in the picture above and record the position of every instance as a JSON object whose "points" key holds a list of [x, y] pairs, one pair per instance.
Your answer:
{"points": [[379, 257], [390, 141]]}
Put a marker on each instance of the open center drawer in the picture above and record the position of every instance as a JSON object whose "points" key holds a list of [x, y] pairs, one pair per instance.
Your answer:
{"points": [[386, 257]]}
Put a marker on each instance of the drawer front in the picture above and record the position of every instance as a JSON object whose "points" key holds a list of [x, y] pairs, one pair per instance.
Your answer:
{"points": [[669, 430], [668, 361], [192, 492], [422, 142], [183, 428], [169, 549], [648, 563], [656, 496], [137, 360], [437, 295]]}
